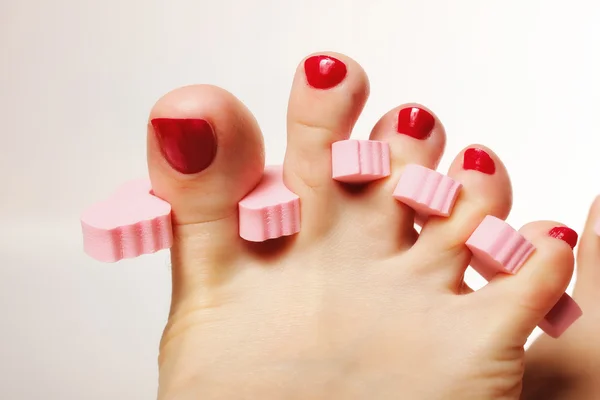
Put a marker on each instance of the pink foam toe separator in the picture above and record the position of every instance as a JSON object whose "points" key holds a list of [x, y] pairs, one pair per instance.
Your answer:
{"points": [[499, 248], [427, 191], [271, 210], [564, 313], [128, 224], [360, 161]]}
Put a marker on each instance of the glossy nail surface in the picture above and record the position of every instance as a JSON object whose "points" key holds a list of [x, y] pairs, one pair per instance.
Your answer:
{"points": [[324, 72], [188, 145], [415, 122], [565, 234], [478, 160]]}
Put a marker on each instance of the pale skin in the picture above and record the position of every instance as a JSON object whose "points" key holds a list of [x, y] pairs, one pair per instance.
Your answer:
{"points": [[357, 305]]}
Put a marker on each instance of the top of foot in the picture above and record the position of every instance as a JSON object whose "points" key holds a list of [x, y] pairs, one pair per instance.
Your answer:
{"points": [[357, 305]]}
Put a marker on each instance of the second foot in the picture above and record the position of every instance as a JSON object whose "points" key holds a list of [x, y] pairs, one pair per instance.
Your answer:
{"points": [[358, 305], [569, 368]]}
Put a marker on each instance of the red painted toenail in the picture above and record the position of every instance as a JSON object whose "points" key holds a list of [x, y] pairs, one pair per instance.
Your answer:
{"points": [[415, 122], [479, 160], [324, 72], [188, 145], [565, 234]]}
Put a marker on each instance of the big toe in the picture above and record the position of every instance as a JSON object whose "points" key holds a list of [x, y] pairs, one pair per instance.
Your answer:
{"points": [[205, 153]]}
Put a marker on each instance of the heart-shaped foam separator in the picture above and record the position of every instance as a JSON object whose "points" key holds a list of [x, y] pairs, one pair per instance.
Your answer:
{"points": [[128, 224], [271, 210]]}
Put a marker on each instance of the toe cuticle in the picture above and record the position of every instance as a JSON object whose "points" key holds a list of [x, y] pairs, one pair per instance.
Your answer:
{"points": [[324, 72], [478, 160], [188, 145], [415, 122], [565, 234]]}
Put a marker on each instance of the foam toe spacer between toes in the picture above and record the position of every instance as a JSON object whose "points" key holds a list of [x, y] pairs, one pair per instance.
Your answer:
{"points": [[499, 248], [130, 223], [271, 210], [360, 161], [427, 191], [563, 315]]}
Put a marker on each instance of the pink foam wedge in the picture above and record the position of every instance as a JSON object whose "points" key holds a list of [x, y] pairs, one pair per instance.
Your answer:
{"points": [[499, 248], [564, 313], [360, 161], [427, 191], [128, 224], [271, 210]]}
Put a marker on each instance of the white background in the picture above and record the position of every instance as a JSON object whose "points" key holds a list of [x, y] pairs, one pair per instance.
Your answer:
{"points": [[78, 77]]}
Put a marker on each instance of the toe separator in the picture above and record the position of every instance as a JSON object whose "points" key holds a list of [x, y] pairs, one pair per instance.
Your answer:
{"points": [[360, 161], [564, 313], [271, 210], [128, 224], [427, 191]]}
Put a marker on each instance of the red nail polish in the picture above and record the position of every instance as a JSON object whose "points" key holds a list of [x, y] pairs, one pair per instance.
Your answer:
{"points": [[479, 160], [188, 145], [324, 72], [415, 122], [565, 234]]}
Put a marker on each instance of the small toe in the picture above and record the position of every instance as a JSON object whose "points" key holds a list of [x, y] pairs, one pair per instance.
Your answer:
{"points": [[415, 136], [408, 134], [485, 190], [527, 298]]}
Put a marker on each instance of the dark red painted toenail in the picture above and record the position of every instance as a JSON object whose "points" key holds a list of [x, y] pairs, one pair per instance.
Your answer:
{"points": [[324, 72], [188, 145], [415, 122], [565, 234], [479, 160]]}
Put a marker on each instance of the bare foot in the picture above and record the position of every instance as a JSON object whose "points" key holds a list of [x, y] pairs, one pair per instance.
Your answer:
{"points": [[357, 305], [569, 367]]}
